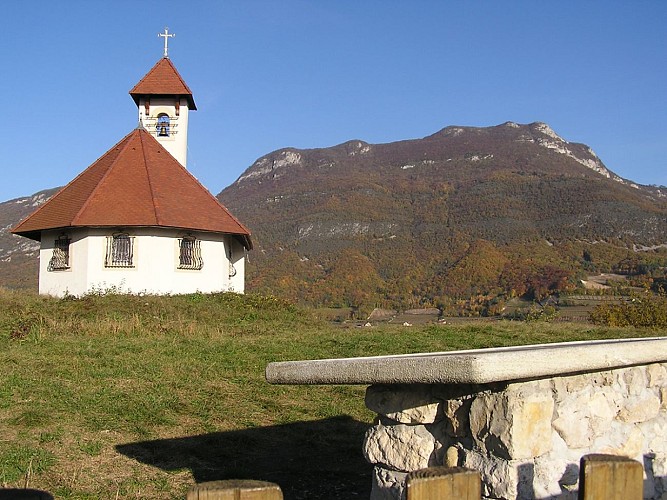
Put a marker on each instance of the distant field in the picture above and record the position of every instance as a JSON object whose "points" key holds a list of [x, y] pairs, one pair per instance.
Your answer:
{"points": [[571, 309], [141, 397]]}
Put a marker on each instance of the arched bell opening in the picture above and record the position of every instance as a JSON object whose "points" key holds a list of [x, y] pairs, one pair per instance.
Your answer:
{"points": [[163, 125]]}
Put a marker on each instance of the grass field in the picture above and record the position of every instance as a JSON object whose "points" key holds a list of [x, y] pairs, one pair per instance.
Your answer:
{"points": [[142, 397]]}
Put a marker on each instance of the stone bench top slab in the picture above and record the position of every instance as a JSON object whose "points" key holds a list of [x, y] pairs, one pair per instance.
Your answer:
{"points": [[477, 366]]}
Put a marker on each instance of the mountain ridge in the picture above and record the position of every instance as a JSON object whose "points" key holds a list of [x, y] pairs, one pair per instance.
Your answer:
{"points": [[547, 138], [464, 211], [434, 204]]}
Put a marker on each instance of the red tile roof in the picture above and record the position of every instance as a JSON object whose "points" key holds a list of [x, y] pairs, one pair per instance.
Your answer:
{"points": [[136, 183], [162, 79]]}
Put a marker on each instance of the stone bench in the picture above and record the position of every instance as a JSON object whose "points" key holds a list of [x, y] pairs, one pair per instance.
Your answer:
{"points": [[522, 416]]}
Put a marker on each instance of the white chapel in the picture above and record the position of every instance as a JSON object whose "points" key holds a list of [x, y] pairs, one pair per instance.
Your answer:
{"points": [[136, 220]]}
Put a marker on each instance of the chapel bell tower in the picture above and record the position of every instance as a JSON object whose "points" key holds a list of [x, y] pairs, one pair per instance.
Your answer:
{"points": [[164, 101]]}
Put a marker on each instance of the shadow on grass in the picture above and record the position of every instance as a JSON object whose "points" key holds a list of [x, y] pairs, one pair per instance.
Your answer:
{"points": [[309, 460]]}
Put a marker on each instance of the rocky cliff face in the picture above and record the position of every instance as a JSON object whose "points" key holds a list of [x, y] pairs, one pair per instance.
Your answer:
{"points": [[19, 256], [475, 144]]}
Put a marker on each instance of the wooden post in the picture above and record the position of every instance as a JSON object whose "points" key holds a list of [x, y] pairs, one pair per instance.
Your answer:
{"points": [[444, 483], [235, 489], [610, 477]]}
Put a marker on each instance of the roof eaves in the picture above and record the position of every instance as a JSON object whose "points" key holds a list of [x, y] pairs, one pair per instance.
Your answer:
{"points": [[245, 233], [208, 193], [179, 76], [135, 93], [17, 228], [133, 90]]}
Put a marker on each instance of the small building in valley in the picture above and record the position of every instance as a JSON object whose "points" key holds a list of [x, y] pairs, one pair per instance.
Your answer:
{"points": [[136, 221]]}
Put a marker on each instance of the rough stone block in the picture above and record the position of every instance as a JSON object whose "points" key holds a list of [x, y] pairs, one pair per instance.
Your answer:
{"points": [[452, 457], [602, 408], [656, 434], [531, 435], [555, 477], [624, 441], [456, 413], [585, 415], [635, 379], [500, 478], [560, 450], [573, 429], [512, 425], [657, 375], [400, 447], [640, 409], [564, 386], [404, 404], [387, 484], [659, 467]]}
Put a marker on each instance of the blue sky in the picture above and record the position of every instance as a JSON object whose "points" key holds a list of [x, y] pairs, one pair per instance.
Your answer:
{"points": [[273, 74]]}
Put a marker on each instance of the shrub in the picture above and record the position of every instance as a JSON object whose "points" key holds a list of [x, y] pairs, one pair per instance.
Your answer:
{"points": [[533, 313], [648, 311]]}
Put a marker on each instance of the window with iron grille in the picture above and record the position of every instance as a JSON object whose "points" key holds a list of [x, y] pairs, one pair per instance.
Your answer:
{"points": [[120, 251], [189, 253], [60, 258]]}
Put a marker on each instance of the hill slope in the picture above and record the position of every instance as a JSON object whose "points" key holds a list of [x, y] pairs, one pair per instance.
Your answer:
{"points": [[464, 211], [19, 256]]}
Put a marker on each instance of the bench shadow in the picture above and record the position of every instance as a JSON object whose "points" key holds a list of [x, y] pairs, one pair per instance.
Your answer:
{"points": [[309, 460]]}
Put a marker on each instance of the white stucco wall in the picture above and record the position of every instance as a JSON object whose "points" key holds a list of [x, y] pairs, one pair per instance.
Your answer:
{"points": [[238, 253], [155, 262], [64, 281], [177, 141]]}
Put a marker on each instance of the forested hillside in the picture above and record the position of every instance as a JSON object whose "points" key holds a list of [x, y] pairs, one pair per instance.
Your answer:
{"points": [[481, 213], [463, 220]]}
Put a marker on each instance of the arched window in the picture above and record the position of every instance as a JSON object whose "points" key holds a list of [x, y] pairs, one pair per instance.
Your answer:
{"points": [[60, 258], [120, 250], [163, 124], [189, 253]]}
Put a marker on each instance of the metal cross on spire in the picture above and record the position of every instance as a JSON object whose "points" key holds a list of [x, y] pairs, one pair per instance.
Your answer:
{"points": [[166, 35]]}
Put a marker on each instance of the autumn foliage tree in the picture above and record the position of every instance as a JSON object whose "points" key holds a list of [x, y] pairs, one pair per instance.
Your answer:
{"points": [[646, 310], [350, 281], [536, 283]]}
